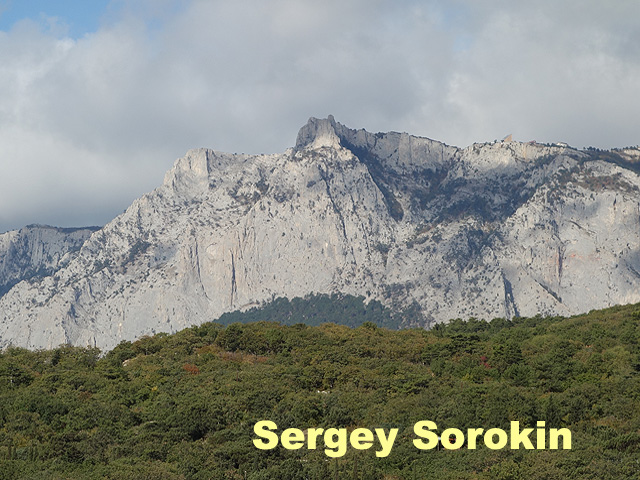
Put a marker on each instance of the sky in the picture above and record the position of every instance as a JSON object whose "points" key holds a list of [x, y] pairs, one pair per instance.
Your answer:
{"points": [[99, 98]]}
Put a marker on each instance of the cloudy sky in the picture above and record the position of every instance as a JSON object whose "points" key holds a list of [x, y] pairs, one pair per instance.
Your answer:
{"points": [[97, 99]]}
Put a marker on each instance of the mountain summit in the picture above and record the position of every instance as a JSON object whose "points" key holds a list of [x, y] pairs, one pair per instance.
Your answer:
{"points": [[491, 230]]}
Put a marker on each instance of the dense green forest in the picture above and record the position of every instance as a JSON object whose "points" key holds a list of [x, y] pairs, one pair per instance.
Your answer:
{"points": [[314, 310], [183, 406]]}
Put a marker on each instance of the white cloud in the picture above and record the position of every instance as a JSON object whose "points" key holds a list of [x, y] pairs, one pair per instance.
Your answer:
{"points": [[556, 71], [88, 124]]}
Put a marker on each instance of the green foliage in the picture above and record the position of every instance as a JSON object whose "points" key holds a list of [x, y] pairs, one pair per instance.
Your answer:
{"points": [[183, 406], [318, 309]]}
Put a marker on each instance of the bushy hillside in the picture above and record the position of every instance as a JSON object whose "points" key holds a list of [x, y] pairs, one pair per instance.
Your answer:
{"points": [[183, 406], [316, 309]]}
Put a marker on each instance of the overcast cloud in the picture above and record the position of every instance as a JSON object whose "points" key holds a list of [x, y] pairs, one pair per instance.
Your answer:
{"points": [[87, 124]]}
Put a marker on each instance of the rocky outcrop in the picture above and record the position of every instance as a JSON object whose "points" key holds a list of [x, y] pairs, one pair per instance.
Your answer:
{"points": [[499, 229], [36, 251]]}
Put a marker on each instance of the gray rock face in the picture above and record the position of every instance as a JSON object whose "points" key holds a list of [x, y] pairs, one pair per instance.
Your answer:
{"points": [[498, 229], [36, 251]]}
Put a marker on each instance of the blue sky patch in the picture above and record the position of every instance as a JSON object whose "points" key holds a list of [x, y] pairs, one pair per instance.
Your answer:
{"points": [[79, 17]]}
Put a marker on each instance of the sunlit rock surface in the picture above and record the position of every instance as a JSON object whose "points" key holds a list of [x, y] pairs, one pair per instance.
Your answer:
{"points": [[491, 230]]}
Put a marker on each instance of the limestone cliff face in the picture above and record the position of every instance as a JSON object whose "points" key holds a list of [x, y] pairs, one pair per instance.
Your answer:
{"points": [[37, 251], [490, 230]]}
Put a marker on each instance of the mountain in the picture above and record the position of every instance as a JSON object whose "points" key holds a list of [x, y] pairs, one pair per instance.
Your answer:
{"points": [[498, 229], [37, 251]]}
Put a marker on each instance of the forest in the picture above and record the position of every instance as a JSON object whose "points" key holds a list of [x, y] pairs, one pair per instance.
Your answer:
{"points": [[183, 406]]}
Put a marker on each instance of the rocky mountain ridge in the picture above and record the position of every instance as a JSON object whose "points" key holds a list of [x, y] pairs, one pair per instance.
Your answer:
{"points": [[495, 229], [37, 251]]}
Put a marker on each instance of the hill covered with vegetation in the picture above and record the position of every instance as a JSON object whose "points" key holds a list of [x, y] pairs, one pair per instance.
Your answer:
{"points": [[183, 406]]}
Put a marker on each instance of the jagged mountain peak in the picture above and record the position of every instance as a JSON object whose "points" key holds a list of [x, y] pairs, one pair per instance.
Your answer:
{"points": [[317, 133], [498, 229]]}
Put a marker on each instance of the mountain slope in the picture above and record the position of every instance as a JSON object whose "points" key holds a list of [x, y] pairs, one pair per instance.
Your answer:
{"points": [[36, 251], [490, 230], [184, 406]]}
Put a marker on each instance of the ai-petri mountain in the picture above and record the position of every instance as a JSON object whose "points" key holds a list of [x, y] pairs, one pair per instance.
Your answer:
{"points": [[497, 229], [37, 251]]}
